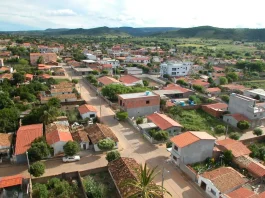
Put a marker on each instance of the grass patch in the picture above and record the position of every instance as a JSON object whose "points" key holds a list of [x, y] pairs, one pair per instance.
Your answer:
{"points": [[198, 120], [256, 83], [62, 80]]}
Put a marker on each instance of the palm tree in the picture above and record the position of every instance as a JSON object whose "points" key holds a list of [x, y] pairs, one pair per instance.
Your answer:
{"points": [[143, 186]]}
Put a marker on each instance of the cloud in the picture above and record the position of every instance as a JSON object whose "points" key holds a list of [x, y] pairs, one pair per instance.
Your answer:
{"points": [[62, 12]]}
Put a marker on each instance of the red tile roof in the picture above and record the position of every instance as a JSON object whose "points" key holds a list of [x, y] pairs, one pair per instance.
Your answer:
{"points": [[57, 133], [106, 80], [106, 66], [129, 79], [237, 148], [190, 137], [222, 106], [234, 87], [176, 87], [199, 82], [225, 178], [213, 89], [86, 108], [238, 117], [163, 121], [26, 135], [5, 139], [9, 181], [241, 193]]}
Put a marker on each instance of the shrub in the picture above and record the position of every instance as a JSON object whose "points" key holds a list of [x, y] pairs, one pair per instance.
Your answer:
{"points": [[37, 169], [257, 131], [198, 88], [146, 83], [160, 135], [165, 76], [40, 191], [228, 156], [223, 80], [71, 148], [169, 144], [234, 135], [176, 110], [39, 150], [225, 98], [106, 144], [75, 81], [139, 120], [243, 125], [112, 155], [122, 115], [95, 72], [93, 188], [219, 129]]}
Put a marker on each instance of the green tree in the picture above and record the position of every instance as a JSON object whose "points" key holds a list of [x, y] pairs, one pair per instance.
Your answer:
{"points": [[106, 144], [243, 125], [232, 75], [223, 80], [93, 188], [234, 135], [95, 72], [160, 135], [54, 102], [9, 119], [71, 148], [37, 169], [39, 150], [139, 120], [40, 60], [18, 78], [122, 115], [40, 191], [228, 156], [257, 131], [169, 144], [5, 101], [219, 129], [146, 83], [144, 185], [112, 155], [75, 81], [23, 61], [104, 72], [225, 98], [198, 88], [175, 110]]}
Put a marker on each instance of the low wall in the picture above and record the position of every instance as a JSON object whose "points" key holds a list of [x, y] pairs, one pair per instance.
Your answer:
{"points": [[188, 171], [253, 140], [191, 107]]}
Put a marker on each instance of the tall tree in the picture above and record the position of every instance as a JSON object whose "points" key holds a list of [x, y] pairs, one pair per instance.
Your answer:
{"points": [[144, 185]]}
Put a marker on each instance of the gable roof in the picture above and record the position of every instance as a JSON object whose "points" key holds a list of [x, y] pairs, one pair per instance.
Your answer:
{"points": [[98, 132], [238, 117], [190, 137], [163, 121], [122, 169], [237, 148], [57, 133], [241, 193], [213, 89], [129, 79], [86, 108], [225, 178], [177, 88], [26, 135], [217, 106], [106, 80], [9, 181], [251, 165], [5, 139], [80, 136]]}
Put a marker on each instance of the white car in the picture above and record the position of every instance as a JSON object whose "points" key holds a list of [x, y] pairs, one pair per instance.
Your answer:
{"points": [[71, 158]]}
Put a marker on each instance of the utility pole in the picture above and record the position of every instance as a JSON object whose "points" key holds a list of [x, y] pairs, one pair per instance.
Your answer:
{"points": [[226, 130]]}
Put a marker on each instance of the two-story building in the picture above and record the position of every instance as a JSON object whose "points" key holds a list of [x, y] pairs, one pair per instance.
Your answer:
{"points": [[175, 68], [139, 104], [191, 147], [244, 108]]}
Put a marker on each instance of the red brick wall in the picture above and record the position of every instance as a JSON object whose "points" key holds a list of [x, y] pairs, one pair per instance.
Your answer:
{"points": [[212, 111], [140, 102]]}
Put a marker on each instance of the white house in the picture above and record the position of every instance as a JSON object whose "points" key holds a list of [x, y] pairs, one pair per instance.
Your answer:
{"points": [[175, 68], [87, 111], [218, 182], [191, 147], [114, 63], [90, 56], [81, 137], [137, 59], [133, 71], [98, 132], [57, 135]]}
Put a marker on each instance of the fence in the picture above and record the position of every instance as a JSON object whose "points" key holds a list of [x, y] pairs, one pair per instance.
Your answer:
{"points": [[188, 171], [253, 140]]}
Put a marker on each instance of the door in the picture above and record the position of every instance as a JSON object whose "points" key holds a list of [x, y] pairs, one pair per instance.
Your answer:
{"points": [[203, 185], [84, 146]]}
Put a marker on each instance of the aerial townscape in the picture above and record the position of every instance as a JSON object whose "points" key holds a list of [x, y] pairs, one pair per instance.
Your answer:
{"points": [[150, 112]]}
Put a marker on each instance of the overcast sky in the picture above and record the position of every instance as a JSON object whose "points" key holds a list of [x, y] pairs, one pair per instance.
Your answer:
{"points": [[43, 14]]}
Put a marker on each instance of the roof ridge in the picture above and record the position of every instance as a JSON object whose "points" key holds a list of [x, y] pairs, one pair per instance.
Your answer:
{"points": [[194, 135]]}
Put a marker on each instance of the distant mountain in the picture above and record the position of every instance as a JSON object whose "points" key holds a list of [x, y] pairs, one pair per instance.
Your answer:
{"points": [[216, 33], [146, 31]]}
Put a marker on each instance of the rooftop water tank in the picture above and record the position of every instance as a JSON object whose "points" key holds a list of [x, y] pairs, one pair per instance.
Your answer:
{"points": [[147, 93]]}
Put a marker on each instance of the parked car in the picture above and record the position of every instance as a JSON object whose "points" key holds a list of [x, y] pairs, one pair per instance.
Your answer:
{"points": [[71, 158]]}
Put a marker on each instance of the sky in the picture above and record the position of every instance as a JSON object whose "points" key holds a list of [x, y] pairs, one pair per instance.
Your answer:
{"points": [[43, 14]]}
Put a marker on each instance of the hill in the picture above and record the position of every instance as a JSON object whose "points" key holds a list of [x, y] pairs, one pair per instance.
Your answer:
{"points": [[216, 33], [146, 31]]}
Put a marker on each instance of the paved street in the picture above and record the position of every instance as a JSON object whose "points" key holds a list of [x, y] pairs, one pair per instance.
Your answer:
{"points": [[131, 144]]}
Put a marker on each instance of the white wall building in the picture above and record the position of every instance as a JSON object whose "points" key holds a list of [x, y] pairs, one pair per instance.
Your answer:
{"points": [[254, 92], [90, 56], [87, 111], [137, 59], [175, 68], [113, 62]]}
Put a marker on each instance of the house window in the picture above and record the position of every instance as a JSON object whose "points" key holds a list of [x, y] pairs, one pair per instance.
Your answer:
{"points": [[173, 73], [176, 148], [174, 69], [213, 192], [147, 102], [174, 157], [92, 115]]}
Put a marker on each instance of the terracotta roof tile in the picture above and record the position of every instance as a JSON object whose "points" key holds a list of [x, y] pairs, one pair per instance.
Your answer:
{"points": [[5, 139], [225, 178], [122, 169], [238, 117], [106, 80], [57, 132], [86, 108], [241, 193], [128, 79], [163, 121], [213, 89], [98, 132], [177, 88], [222, 106], [234, 87], [237, 148], [80, 136], [9, 181], [26, 135]]}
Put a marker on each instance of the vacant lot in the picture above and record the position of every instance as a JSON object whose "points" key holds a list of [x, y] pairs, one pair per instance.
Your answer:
{"points": [[255, 84], [198, 120]]}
